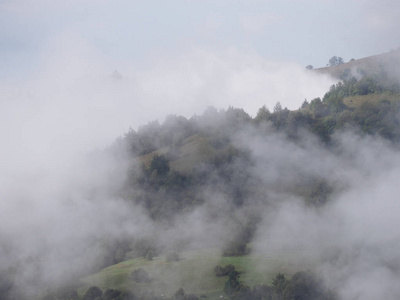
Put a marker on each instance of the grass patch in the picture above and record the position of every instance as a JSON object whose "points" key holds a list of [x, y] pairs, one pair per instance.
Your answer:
{"points": [[356, 101], [194, 149], [193, 272]]}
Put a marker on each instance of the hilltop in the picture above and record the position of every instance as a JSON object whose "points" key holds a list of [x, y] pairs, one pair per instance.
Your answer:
{"points": [[376, 65]]}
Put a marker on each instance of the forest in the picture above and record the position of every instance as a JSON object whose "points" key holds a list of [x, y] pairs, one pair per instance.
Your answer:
{"points": [[228, 181]]}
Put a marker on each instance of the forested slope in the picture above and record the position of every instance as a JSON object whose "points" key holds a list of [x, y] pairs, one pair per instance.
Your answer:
{"points": [[248, 186]]}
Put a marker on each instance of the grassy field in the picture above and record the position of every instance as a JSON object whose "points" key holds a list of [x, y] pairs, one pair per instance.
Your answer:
{"points": [[370, 65], [356, 101], [193, 272], [190, 152], [194, 149]]}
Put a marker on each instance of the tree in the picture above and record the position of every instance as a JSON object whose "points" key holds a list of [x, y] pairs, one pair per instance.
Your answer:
{"points": [[334, 61], [140, 275], [160, 164], [110, 294], [278, 107], [263, 114], [92, 293], [279, 284], [305, 104], [223, 271], [149, 255], [318, 108], [233, 284], [234, 248], [309, 67], [279, 116]]}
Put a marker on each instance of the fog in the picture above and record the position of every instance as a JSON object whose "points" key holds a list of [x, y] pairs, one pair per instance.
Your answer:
{"points": [[60, 184], [350, 241], [61, 179]]}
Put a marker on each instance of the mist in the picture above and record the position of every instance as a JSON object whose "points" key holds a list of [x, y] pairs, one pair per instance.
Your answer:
{"points": [[60, 179], [351, 240], [62, 175]]}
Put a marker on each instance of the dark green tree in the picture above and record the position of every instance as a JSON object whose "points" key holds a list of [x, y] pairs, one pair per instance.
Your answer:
{"points": [[234, 248], [318, 108], [263, 115], [160, 164], [279, 284], [140, 275], [305, 104], [223, 271], [93, 293], [233, 284]]}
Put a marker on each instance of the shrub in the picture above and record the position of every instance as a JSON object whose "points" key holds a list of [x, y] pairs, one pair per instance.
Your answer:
{"points": [[223, 271], [233, 284], [149, 255], [181, 295], [140, 275], [92, 293], [111, 294], [234, 248]]}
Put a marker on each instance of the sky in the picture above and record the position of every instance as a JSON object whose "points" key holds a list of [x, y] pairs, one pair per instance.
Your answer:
{"points": [[305, 32], [87, 71]]}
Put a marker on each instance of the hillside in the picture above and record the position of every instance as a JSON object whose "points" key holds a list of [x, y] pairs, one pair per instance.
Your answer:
{"points": [[193, 272], [375, 65], [272, 200]]}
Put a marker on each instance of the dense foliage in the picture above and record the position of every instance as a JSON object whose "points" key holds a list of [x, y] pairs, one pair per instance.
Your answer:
{"points": [[222, 163]]}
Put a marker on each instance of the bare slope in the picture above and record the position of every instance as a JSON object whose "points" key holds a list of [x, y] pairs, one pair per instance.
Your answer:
{"points": [[372, 65]]}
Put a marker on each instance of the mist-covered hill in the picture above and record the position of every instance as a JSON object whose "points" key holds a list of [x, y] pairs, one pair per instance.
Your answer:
{"points": [[384, 65], [318, 183]]}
